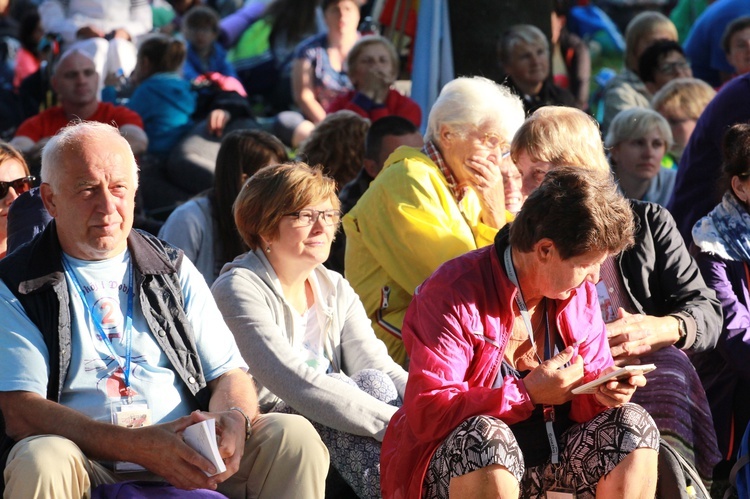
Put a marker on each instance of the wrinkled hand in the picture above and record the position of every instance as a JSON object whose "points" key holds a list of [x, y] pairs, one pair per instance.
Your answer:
{"points": [[89, 32], [230, 428], [615, 393], [485, 177], [632, 336], [550, 383], [217, 121], [161, 450]]}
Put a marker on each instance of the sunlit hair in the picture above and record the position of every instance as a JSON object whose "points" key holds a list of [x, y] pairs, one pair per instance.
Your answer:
{"points": [[736, 154], [639, 27], [474, 103], [560, 136], [688, 96], [636, 123], [580, 210], [241, 152], [275, 191], [367, 41], [337, 143], [73, 138], [8, 152], [520, 33]]}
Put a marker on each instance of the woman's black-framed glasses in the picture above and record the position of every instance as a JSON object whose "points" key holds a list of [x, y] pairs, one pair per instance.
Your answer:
{"points": [[307, 217], [20, 185]]}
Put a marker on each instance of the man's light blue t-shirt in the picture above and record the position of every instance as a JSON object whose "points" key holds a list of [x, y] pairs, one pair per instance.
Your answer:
{"points": [[95, 378]]}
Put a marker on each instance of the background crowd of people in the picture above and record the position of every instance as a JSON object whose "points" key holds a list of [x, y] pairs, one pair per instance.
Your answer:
{"points": [[393, 301]]}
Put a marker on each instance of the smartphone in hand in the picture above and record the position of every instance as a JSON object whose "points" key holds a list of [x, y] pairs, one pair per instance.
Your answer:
{"points": [[622, 373]]}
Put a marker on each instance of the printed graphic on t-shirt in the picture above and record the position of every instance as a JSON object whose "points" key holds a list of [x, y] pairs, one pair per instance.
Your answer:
{"points": [[106, 300], [114, 380]]}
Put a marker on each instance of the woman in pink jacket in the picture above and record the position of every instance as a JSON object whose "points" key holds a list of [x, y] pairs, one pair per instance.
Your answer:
{"points": [[498, 339]]}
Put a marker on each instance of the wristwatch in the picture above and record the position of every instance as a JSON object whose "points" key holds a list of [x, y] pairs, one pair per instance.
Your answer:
{"points": [[680, 343], [248, 425]]}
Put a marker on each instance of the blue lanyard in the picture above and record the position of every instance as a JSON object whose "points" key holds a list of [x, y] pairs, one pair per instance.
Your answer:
{"points": [[525, 312], [128, 332], [547, 410]]}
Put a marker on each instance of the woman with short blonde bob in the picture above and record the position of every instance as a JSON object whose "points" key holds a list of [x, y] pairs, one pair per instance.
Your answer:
{"points": [[681, 102], [637, 140], [301, 328], [541, 142]]}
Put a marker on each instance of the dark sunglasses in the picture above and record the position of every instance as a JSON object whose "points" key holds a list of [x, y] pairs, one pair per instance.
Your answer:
{"points": [[20, 185]]}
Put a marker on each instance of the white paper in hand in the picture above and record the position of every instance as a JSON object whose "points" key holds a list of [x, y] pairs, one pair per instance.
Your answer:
{"points": [[202, 437]]}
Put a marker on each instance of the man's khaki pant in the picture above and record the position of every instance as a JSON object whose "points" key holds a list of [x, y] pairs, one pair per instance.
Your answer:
{"points": [[284, 458]]}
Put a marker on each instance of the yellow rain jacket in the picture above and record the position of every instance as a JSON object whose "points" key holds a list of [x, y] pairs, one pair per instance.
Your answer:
{"points": [[405, 225]]}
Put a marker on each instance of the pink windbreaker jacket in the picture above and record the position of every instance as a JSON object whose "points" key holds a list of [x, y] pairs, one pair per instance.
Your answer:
{"points": [[455, 332]]}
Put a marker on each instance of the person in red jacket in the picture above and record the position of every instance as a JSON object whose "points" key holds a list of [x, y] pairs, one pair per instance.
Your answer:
{"points": [[372, 65]]}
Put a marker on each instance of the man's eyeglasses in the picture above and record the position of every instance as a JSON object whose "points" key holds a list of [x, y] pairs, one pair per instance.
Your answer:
{"points": [[20, 185], [305, 218]]}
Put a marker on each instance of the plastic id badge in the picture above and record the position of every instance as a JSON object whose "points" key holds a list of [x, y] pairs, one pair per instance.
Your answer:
{"points": [[130, 415]]}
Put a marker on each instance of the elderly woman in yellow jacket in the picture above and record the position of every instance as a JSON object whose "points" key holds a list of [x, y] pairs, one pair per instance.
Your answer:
{"points": [[428, 206]]}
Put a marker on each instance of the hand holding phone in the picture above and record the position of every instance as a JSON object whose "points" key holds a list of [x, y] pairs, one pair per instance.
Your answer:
{"points": [[620, 374]]}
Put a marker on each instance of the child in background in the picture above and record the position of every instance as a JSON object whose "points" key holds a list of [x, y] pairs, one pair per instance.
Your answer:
{"points": [[200, 28], [163, 99]]}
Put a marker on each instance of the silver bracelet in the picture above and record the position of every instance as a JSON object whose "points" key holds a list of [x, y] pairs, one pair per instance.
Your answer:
{"points": [[248, 425]]}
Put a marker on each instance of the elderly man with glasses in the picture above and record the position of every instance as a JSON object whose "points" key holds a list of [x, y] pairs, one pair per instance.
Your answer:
{"points": [[430, 205]]}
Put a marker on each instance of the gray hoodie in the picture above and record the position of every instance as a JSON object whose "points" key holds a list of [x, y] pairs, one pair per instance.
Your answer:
{"points": [[250, 298]]}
